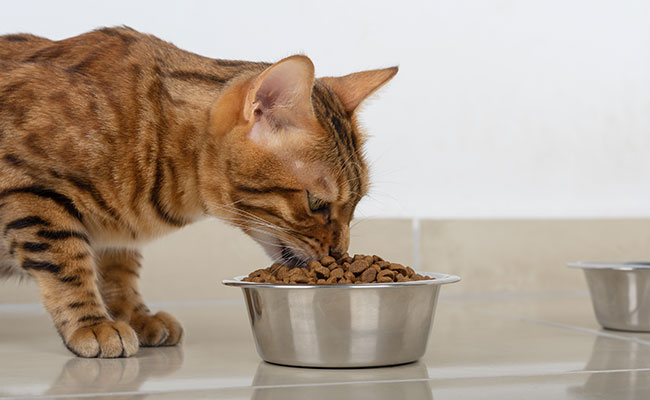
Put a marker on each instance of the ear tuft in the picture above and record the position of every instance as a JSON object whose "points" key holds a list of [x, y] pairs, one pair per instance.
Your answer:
{"points": [[354, 88]]}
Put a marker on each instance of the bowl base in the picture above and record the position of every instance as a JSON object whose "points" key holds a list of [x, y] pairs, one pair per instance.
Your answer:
{"points": [[341, 367]]}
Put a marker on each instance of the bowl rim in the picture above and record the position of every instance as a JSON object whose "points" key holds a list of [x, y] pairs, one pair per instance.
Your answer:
{"points": [[612, 265], [441, 279]]}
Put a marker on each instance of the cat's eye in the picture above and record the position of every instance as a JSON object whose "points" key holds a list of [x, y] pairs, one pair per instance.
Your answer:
{"points": [[316, 204]]}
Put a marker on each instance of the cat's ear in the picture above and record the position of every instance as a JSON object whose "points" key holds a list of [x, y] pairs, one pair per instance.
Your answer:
{"points": [[282, 92], [354, 88]]}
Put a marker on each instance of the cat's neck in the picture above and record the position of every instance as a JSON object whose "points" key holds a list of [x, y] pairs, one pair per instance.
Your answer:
{"points": [[189, 92]]}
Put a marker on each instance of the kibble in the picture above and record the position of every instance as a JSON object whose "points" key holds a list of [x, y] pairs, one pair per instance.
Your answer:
{"points": [[358, 269]]}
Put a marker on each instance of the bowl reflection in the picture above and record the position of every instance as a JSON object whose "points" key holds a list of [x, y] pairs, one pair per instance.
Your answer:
{"points": [[626, 363], [409, 381]]}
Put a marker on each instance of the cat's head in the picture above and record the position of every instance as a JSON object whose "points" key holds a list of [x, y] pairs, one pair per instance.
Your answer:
{"points": [[286, 151]]}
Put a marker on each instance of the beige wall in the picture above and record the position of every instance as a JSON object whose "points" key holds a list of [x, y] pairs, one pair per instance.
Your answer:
{"points": [[489, 255]]}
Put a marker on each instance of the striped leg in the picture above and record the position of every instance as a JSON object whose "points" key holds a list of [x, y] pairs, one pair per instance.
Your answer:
{"points": [[119, 272], [44, 236]]}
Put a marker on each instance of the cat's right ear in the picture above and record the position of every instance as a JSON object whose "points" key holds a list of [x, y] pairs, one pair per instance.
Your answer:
{"points": [[282, 93]]}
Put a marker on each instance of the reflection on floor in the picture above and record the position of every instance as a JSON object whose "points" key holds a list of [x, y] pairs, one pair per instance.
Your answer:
{"points": [[529, 345]]}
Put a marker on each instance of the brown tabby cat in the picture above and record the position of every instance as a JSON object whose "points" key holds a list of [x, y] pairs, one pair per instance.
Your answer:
{"points": [[114, 137]]}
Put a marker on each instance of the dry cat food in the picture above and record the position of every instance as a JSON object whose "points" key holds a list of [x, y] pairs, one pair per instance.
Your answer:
{"points": [[329, 271]]}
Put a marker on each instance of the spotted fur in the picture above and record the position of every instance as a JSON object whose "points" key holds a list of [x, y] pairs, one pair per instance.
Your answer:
{"points": [[114, 137]]}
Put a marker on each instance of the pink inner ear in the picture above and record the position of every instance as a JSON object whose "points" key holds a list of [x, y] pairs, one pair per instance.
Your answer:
{"points": [[285, 85]]}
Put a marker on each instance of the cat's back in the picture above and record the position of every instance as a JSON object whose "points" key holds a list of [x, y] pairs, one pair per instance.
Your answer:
{"points": [[92, 54], [13, 46]]}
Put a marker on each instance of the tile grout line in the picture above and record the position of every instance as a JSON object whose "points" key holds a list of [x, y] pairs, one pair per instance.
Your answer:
{"points": [[510, 295], [569, 327], [18, 307], [285, 386], [21, 307]]}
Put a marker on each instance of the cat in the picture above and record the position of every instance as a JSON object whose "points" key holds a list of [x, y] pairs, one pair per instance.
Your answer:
{"points": [[114, 137]]}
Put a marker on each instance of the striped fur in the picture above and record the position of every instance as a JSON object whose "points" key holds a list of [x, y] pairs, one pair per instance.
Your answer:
{"points": [[114, 137]]}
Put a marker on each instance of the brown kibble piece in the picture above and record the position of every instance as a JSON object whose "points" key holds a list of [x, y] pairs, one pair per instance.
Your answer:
{"points": [[333, 266], [384, 279], [331, 280], [409, 272], [368, 275], [314, 264], [386, 272], [349, 275], [327, 260], [398, 268], [282, 272], [338, 273], [344, 258], [322, 272], [377, 258], [256, 273], [376, 267], [358, 267], [321, 282]]}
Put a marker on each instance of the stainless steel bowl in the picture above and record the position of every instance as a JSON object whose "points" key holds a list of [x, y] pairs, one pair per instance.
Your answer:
{"points": [[620, 293], [342, 326]]}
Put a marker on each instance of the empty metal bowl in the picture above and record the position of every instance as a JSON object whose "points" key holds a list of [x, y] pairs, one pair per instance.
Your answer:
{"points": [[620, 293], [342, 326]]}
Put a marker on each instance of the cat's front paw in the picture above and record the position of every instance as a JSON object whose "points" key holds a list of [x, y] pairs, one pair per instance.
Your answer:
{"points": [[160, 329], [108, 339]]}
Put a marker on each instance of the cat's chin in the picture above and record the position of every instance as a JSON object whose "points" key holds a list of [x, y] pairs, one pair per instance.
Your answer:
{"points": [[280, 254]]}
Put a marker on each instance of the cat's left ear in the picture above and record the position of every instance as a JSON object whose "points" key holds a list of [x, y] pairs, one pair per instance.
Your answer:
{"points": [[282, 93], [354, 88]]}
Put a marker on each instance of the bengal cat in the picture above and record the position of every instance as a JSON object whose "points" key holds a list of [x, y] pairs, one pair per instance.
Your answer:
{"points": [[112, 138]]}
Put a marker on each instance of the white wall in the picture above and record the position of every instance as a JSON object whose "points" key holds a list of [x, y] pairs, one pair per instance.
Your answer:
{"points": [[501, 108]]}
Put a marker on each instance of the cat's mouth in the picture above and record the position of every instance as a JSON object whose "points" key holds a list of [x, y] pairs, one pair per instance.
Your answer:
{"points": [[279, 251]]}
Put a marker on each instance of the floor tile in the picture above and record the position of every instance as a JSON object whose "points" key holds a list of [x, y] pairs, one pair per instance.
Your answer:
{"points": [[622, 385], [472, 339], [619, 385]]}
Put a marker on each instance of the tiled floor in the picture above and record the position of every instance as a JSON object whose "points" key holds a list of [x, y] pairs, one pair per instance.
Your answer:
{"points": [[543, 345]]}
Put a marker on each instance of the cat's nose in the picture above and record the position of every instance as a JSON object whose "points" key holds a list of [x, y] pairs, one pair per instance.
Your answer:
{"points": [[340, 241]]}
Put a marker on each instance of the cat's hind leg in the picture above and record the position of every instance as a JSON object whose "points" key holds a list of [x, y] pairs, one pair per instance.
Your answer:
{"points": [[119, 273], [44, 236]]}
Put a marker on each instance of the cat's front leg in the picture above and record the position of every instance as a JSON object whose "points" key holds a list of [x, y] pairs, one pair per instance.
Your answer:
{"points": [[43, 233], [119, 273]]}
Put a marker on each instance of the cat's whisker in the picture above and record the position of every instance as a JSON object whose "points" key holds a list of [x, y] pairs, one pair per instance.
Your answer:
{"points": [[243, 223], [254, 217], [285, 241], [249, 219]]}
